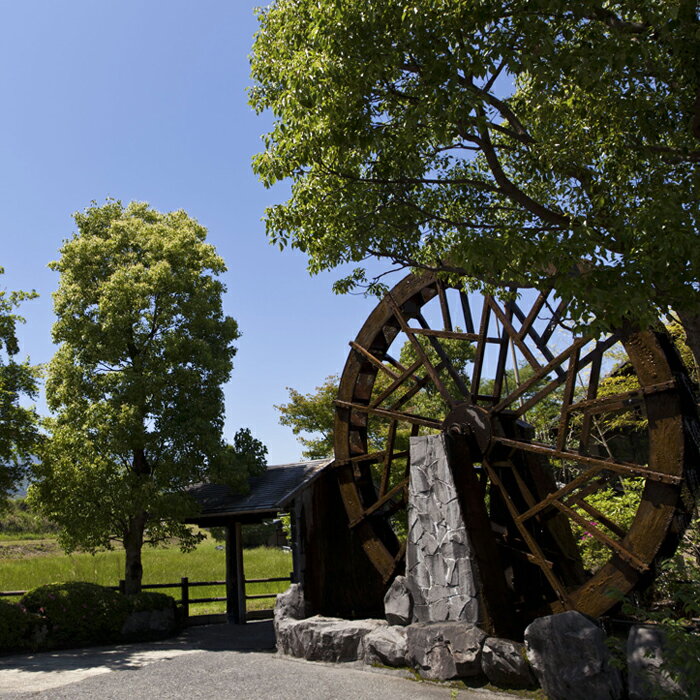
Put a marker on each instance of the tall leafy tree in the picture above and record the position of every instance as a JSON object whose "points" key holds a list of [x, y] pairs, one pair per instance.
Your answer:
{"points": [[534, 142], [136, 384], [18, 423]]}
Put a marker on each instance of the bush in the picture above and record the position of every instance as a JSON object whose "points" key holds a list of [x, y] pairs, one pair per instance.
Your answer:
{"points": [[78, 613], [17, 627], [675, 607]]}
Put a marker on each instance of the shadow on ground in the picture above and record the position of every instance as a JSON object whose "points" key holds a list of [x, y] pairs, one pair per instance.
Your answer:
{"points": [[254, 636]]}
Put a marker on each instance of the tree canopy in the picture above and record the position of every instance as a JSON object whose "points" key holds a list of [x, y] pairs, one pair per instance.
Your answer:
{"points": [[535, 142], [18, 423], [136, 384]]}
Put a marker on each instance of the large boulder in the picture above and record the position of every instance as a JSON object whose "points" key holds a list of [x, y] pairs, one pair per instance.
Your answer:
{"points": [[386, 646], [291, 603], [444, 650], [505, 663], [324, 638], [398, 603], [645, 657], [570, 658]]}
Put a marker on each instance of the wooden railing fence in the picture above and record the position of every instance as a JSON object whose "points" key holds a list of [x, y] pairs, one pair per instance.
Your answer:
{"points": [[186, 600]]}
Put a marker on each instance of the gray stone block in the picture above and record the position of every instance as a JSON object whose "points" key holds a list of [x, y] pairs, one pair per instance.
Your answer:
{"points": [[398, 603], [645, 656], [570, 659], [444, 650], [324, 638], [505, 663], [386, 646], [291, 603], [440, 566]]}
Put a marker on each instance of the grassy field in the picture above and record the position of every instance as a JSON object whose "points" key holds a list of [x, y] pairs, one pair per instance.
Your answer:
{"points": [[36, 562]]}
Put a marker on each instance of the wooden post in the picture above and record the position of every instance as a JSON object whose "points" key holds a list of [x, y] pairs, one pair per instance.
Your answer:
{"points": [[185, 597], [235, 576], [122, 586]]}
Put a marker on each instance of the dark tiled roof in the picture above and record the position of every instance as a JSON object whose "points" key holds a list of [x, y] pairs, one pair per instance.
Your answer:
{"points": [[270, 492]]}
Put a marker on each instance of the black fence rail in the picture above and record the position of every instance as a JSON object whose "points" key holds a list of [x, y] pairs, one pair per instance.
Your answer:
{"points": [[186, 599]]}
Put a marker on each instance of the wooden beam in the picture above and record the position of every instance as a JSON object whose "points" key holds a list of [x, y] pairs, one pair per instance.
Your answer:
{"points": [[235, 576]]}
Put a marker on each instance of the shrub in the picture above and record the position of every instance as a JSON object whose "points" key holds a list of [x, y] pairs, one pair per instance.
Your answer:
{"points": [[676, 612], [78, 613], [17, 627]]}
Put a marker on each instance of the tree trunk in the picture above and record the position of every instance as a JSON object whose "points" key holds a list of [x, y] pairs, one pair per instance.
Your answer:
{"points": [[691, 326], [133, 544]]}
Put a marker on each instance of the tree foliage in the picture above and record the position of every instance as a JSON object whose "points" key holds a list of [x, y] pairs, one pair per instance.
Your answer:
{"points": [[530, 142], [313, 414], [18, 423], [136, 384]]}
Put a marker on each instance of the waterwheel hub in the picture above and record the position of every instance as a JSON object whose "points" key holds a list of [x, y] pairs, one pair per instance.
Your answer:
{"points": [[474, 423]]}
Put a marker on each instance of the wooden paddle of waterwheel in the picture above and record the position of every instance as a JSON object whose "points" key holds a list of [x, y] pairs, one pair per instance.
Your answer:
{"points": [[537, 424]]}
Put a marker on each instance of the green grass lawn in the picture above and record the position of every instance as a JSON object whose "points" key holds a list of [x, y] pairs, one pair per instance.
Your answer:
{"points": [[160, 565]]}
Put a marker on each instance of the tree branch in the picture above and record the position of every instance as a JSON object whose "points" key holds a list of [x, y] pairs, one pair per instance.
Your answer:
{"points": [[514, 193]]}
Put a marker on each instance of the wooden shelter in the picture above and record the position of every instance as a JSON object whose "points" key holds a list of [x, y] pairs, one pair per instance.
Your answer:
{"points": [[282, 488]]}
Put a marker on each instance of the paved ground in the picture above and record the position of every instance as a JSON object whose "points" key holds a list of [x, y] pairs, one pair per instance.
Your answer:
{"points": [[216, 661]]}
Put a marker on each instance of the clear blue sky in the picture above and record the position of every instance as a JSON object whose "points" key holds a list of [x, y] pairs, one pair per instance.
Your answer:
{"points": [[147, 101]]}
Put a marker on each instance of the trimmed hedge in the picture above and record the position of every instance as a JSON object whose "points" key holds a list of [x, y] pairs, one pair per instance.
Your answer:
{"points": [[18, 627], [78, 613], [146, 600]]}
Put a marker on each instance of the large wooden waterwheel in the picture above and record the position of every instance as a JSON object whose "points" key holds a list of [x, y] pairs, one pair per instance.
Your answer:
{"points": [[533, 413]]}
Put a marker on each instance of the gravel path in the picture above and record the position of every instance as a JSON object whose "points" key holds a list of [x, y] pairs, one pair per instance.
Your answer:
{"points": [[217, 661]]}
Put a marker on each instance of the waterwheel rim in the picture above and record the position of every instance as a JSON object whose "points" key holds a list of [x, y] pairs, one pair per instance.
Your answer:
{"points": [[525, 332]]}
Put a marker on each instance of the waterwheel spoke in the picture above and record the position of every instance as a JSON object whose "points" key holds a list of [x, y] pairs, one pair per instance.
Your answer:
{"points": [[527, 322], [530, 541], [394, 415], [570, 455], [380, 502], [466, 311], [430, 369], [603, 519], [372, 359], [538, 376], [556, 383], [421, 383], [369, 458], [394, 362], [567, 398], [609, 542], [553, 322], [506, 340], [444, 307], [622, 401], [401, 379], [388, 458], [508, 327], [527, 330], [444, 358], [455, 335], [591, 393], [480, 350]]}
